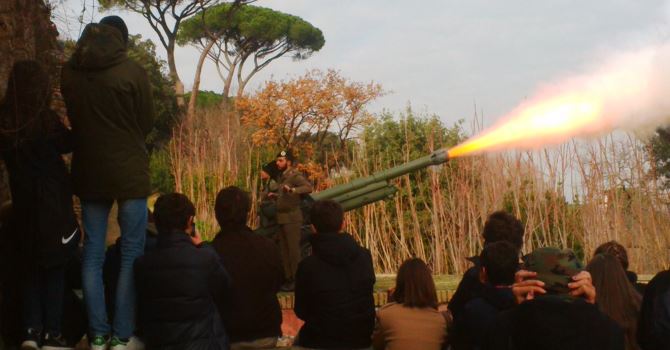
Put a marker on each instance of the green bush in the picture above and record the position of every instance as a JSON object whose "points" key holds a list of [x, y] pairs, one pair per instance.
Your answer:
{"points": [[160, 167]]}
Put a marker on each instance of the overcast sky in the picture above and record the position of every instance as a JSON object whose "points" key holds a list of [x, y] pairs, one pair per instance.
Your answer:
{"points": [[442, 56]]}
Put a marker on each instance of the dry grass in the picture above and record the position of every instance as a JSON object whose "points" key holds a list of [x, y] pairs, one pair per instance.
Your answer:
{"points": [[577, 195]]}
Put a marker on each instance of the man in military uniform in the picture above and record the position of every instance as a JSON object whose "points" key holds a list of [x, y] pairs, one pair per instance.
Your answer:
{"points": [[292, 184]]}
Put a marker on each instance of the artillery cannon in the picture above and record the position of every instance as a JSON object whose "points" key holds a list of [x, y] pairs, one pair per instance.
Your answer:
{"points": [[357, 193]]}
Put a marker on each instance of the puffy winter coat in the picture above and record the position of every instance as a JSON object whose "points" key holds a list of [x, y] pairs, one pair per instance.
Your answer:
{"points": [[177, 284]]}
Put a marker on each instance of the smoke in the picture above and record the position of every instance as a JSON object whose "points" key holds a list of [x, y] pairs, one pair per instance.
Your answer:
{"points": [[628, 91]]}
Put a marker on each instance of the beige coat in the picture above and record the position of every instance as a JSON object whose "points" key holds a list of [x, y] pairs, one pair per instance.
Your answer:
{"points": [[402, 328]]}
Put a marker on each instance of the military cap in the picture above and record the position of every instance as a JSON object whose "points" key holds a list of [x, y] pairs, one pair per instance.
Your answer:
{"points": [[554, 267], [286, 153]]}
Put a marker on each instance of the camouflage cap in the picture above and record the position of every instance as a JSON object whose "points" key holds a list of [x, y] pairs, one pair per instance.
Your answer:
{"points": [[554, 267]]}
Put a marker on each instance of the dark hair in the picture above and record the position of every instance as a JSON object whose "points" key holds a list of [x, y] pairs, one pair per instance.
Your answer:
{"points": [[326, 216], [172, 211], [501, 261], [118, 23], [272, 170], [25, 110], [414, 285], [232, 206], [502, 226], [615, 249], [617, 298]]}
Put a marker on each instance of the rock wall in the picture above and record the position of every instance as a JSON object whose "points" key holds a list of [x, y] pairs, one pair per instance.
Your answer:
{"points": [[26, 32]]}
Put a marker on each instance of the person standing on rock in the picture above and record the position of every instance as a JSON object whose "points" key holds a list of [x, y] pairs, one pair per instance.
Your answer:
{"points": [[292, 184], [109, 102]]}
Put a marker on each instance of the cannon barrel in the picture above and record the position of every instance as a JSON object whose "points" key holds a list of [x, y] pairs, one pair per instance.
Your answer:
{"points": [[435, 158], [361, 191], [385, 192]]}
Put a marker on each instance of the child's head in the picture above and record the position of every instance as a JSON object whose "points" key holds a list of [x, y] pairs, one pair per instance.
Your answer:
{"points": [[499, 261]]}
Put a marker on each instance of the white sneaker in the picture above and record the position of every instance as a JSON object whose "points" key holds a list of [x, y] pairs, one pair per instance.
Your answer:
{"points": [[118, 344], [31, 337], [29, 345], [100, 343], [135, 344]]}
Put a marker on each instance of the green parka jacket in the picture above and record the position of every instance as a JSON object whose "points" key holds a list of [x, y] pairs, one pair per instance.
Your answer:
{"points": [[109, 103]]}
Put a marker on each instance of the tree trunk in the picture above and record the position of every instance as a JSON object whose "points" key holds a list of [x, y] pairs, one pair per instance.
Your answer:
{"points": [[240, 89], [172, 66], [240, 92], [196, 80], [226, 88]]}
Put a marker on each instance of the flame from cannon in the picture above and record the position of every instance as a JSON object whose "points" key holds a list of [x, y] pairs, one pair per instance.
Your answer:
{"points": [[629, 91]]}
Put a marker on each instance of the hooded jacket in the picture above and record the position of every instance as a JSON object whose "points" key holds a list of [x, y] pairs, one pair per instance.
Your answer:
{"points": [[109, 103], [333, 294], [178, 285]]}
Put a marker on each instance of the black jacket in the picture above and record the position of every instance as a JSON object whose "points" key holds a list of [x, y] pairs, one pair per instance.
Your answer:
{"points": [[41, 197], [478, 316], [110, 105], [333, 294], [654, 327], [553, 323], [469, 288], [176, 286], [252, 311]]}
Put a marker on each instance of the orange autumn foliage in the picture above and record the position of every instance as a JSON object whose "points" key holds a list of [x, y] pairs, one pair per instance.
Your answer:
{"points": [[301, 113]]}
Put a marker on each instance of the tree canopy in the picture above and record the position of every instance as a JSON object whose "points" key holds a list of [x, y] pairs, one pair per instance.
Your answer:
{"points": [[251, 35], [310, 112], [165, 17], [660, 147]]}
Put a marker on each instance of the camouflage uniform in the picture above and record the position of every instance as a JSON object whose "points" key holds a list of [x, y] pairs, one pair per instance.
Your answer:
{"points": [[289, 218], [554, 267]]}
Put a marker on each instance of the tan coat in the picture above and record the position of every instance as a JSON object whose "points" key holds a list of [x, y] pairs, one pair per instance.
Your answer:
{"points": [[401, 328], [288, 203]]}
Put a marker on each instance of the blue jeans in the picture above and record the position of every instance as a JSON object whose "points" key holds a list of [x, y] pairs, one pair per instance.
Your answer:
{"points": [[132, 218], [43, 293]]}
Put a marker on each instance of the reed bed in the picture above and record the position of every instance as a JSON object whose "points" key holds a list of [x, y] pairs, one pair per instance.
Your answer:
{"points": [[576, 196]]}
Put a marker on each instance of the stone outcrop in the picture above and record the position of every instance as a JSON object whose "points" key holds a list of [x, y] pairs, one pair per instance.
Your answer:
{"points": [[26, 32]]}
